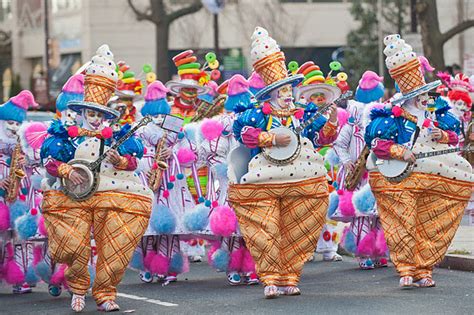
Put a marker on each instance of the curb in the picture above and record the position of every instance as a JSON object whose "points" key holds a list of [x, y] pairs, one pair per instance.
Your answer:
{"points": [[458, 262]]}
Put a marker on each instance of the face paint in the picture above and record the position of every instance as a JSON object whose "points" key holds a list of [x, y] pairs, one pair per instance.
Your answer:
{"points": [[11, 128], [422, 101], [94, 119], [284, 97], [69, 117], [318, 98]]}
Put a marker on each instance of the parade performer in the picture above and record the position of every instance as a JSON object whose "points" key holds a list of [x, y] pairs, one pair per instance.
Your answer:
{"points": [[18, 215], [280, 206], [118, 210], [159, 254], [421, 206], [356, 204], [315, 91], [229, 253]]}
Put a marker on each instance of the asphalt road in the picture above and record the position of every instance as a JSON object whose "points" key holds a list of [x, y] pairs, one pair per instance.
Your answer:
{"points": [[327, 288]]}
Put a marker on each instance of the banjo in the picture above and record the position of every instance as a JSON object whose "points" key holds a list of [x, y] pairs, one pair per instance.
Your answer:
{"points": [[90, 170], [285, 155], [395, 171]]}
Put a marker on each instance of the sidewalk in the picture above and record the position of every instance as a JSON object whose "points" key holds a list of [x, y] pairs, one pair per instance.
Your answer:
{"points": [[461, 252]]}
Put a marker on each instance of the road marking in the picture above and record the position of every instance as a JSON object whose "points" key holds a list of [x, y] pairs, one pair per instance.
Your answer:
{"points": [[145, 299]]}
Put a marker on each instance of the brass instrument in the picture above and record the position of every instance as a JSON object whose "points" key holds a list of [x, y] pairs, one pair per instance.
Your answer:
{"points": [[16, 174], [156, 173], [353, 179], [206, 110]]}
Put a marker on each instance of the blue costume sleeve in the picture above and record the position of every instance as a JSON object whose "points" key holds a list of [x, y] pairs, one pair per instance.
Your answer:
{"points": [[132, 146], [312, 131], [447, 121], [253, 117], [58, 145]]}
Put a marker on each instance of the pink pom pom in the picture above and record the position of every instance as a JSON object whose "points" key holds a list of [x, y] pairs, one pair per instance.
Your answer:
{"points": [[145, 150], [107, 133], [22, 197], [154, 166], [215, 204], [342, 116], [366, 245], [345, 203], [160, 264], [166, 193], [299, 113], [381, 248], [223, 221], [236, 258], [214, 247], [248, 264], [34, 211], [4, 217], [172, 178], [185, 156], [37, 254], [426, 123], [73, 131], [211, 129], [397, 111], [58, 277], [35, 133], [267, 108], [13, 274], [340, 192], [147, 261]]}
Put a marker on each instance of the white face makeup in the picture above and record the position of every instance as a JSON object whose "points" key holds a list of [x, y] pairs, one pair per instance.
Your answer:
{"points": [[11, 128], [422, 101], [94, 119], [69, 117], [283, 97]]}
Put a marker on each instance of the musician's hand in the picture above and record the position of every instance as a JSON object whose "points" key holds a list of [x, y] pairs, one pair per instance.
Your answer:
{"points": [[76, 178], [349, 166], [408, 156], [4, 183], [436, 134], [165, 153], [282, 140], [333, 113], [113, 157]]}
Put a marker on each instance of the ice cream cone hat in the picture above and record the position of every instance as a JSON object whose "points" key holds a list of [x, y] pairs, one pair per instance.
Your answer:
{"points": [[269, 62], [99, 84], [189, 71], [405, 68]]}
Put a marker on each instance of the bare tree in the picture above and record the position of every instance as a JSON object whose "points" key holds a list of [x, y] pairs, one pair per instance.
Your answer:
{"points": [[162, 16], [5, 38], [433, 39]]}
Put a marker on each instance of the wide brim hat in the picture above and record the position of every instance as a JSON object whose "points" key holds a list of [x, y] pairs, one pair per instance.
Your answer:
{"points": [[175, 86], [128, 94], [418, 91], [78, 106], [264, 94], [331, 92]]}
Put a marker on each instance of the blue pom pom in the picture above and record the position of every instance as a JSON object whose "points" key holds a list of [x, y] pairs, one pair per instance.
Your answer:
{"points": [[201, 199], [364, 200], [351, 120], [221, 170], [30, 277], [2, 192], [44, 271], [350, 242], [197, 219], [180, 176], [137, 260], [24, 191], [163, 220], [177, 263], [207, 203], [170, 186], [220, 260], [17, 209], [332, 158], [8, 161], [180, 135], [335, 185], [333, 203], [26, 226]]}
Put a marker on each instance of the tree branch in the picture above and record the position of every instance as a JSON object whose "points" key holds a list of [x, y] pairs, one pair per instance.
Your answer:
{"points": [[456, 30], [194, 7], [140, 15]]}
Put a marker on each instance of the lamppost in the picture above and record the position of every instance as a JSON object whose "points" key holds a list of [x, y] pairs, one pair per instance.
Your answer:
{"points": [[215, 7]]}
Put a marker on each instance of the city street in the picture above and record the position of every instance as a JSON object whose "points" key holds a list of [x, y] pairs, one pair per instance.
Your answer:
{"points": [[327, 288]]}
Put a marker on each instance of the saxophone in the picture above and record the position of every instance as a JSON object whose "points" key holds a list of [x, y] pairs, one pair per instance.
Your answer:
{"points": [[16, 174], [353, 179], [159, 166]]}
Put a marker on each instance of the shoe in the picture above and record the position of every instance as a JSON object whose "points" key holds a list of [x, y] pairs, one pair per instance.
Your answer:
{"points": [[271, 292], [381, 263], [195, 259], [289, 290], [234, 278], [146, 276], [366, 264], [78, 302], [311, 258], [406, 282], [425, 283], [171, 278], [54, 290], [332, 257], [251, 279], [108, 306], [22, 289]]}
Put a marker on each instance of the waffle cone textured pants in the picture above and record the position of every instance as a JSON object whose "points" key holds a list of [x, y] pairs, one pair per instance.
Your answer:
{"points": [[420, 216], [118, 222], [281, 224]]}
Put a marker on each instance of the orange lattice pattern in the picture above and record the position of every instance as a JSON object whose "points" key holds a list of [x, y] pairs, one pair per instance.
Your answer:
{"points": [[98, 89], [272, 68], [408, 76]]}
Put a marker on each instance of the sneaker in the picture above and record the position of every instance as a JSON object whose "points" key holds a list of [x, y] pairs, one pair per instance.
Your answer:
{"points": [[108, 306], [78, 302], [54, 290], [195, 259], [251, 279], [425, 283], [366, 264], [22, 289], [289, 290], [332, 257], [271, 292], [234, 278], [171, 278], [146, 276], [406, 283], [381, 263]]}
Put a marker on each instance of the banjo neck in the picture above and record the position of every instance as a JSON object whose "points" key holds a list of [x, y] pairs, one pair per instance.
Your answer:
{"points": [[436, 153], [94, 165]]}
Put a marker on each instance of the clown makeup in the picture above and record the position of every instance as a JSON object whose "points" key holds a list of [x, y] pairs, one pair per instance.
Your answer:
{"points": [[94, 119], [459, 108], [188, 95], [11, 128], [69, 117], [158, 119], [283, 97], [422, 101], [318, 98]]}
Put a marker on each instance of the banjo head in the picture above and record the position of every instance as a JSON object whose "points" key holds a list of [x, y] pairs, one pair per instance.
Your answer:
{"points": [[283, 155], [394, 170], [87, 188]]}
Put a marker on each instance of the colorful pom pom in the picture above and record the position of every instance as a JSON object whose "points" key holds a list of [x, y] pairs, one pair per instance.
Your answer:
{"points": [[107, 133], [73, 131], [397, 111], [267, 108]]}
